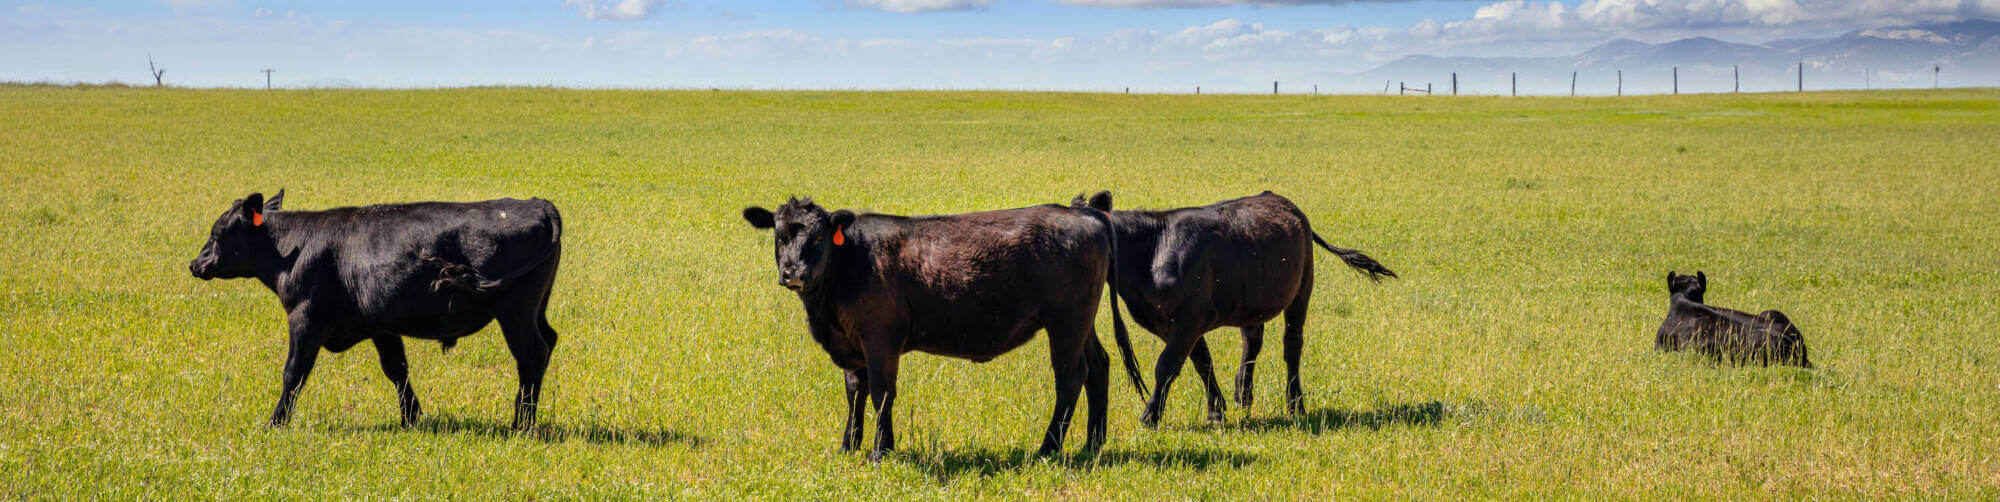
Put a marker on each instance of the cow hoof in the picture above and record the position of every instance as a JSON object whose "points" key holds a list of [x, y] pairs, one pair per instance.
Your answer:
{"points": [[875, 456], [1216, 417], [1149, 420]]}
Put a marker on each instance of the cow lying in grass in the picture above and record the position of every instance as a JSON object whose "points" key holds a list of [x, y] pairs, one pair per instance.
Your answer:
{"points": [[1241, 262], [429, 270], [972, 286], [1720, 333]]}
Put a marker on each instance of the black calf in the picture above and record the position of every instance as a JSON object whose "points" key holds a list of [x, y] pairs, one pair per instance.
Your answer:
{"points": [[429, 270], [1185, 272], [1721, 333]]}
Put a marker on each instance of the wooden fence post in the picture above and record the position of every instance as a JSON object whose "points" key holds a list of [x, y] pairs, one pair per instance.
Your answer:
{"points": [[1677, 80], [1572, 83], [1514, 84]]}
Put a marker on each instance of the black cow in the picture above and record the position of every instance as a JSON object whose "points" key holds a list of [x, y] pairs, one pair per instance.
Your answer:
{"points": [[1185, 272], [1720, 333], [429, 270], [972, 286]]}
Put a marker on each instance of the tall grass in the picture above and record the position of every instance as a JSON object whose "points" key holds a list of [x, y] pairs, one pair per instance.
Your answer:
{"points": [[1512, 360]]}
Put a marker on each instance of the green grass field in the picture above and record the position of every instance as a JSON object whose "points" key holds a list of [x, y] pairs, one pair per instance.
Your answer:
{"points": [[1514, 358]]}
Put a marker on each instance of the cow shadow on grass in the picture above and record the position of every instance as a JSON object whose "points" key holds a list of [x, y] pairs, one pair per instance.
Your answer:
{"points": [[545, 432], [1324, 420], [947, 465]]}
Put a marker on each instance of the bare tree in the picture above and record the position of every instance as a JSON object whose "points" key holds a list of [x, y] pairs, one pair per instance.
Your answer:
{"points": [[157, 71]]}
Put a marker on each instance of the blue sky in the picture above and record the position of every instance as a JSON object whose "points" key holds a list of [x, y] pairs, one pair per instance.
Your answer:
{"points": [[1148, 45]]}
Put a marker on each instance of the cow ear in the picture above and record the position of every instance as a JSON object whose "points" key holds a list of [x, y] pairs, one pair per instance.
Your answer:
{"points": [[843, 218], [276, 203], [1701, 278], [1101, 201], [758, 217], [1078, 201], [1670, 279], [253, 209]]}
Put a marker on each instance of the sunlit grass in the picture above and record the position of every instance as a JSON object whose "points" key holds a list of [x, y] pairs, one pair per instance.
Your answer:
{"points": [[1513, 359]]}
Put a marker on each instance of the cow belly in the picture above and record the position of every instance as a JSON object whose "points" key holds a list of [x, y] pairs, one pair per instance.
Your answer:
{"points": [[1258, 292], [445, 327], [977, 342]]}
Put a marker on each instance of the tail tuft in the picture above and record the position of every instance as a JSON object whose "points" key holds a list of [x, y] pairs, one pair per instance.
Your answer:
{"points": [[1357, 261]]}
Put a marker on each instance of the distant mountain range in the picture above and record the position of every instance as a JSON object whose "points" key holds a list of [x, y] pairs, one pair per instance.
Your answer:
{"points": [[1966, 53]]}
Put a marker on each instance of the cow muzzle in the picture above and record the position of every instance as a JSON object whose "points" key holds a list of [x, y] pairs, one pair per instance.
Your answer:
{"points": [[792, 283], [200, 270]]}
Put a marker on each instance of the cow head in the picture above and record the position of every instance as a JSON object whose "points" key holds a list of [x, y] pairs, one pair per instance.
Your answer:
{"points": [[1693, 286], [805, 237], [238, 241]]}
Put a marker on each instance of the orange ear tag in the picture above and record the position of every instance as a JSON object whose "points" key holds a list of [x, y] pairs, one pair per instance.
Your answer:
{"points": [[839, 236], [256, 219]]}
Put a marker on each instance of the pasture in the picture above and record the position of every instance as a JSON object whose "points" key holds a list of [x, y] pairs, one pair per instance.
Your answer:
{"points": [[1513, 359]]}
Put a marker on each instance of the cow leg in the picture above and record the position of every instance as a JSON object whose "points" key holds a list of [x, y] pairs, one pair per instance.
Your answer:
{"points": [[1180, 342], [304, 350], [1295, 344], [1205, 368], [1066, 358], [1097, 386], [390, 349], [1246, 375], [548, 333], [857, 409], [531, 360], [882, 390]]}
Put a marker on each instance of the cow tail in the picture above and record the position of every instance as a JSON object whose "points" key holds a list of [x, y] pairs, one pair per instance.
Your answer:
{"points": [[463, 277], [1118, 330], [1359, 262]]}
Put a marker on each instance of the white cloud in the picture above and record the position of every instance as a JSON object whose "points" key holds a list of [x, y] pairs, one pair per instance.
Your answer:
{"points": [[1428, 28], [614, 10], [1195, 4], [1237, 54], [920, 6], [1236, 39], [1515, 20], [752, 42]]}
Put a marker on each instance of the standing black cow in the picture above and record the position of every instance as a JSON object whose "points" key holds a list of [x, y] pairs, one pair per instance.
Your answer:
{"points": [[1720, 333], [972, 286], [1188, 271], [429, 270]]}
